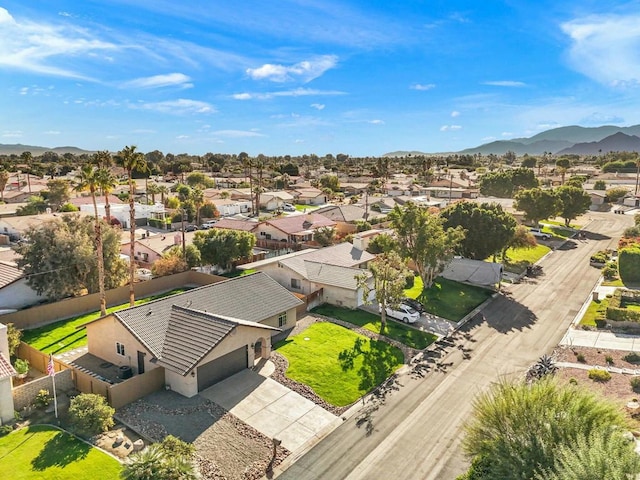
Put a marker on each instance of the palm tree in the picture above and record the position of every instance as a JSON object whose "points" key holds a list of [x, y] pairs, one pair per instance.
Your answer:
{"points": [[153, 189], [88, 179], [163, 190], [27, 158], [197, 197], [106, 182], [4, 179], [130, 159]]}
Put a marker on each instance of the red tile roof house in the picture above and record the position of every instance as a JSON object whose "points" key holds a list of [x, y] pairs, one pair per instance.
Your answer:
{"points": [[198, 337], [294, 229]]}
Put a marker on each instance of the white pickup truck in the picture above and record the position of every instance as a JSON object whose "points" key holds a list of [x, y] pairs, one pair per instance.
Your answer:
{"points": [[538, 233]]}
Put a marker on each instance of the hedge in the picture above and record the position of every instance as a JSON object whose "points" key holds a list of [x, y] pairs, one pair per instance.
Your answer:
{"points": [[616, 310], [629, 264]]}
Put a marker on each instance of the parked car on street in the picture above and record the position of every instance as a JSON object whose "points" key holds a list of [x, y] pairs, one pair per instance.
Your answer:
{"points": [[190, 228], [403, 312], [287, 207]]}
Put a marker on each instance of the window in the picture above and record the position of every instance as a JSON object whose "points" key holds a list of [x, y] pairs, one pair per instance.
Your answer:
{"points": [[282, 319], [295, 283], [120, 348]]}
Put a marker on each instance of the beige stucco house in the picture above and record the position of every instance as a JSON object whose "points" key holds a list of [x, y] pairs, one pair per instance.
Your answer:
{"points": [[198, 337], [330, 271]]}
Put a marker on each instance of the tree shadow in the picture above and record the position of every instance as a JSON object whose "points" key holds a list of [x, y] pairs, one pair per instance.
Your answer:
{"points": [[59, 451], [378, 361], [503, 314]]}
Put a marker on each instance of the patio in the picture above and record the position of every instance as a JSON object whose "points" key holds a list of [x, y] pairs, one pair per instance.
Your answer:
{"points": [[99, 368]]}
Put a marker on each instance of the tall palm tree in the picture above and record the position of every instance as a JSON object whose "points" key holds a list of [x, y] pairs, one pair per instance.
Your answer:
{"points": [[27, 158], [197, 197], [106, 182], [163, 190], [88, 179], [153, 189], [130, 159]]}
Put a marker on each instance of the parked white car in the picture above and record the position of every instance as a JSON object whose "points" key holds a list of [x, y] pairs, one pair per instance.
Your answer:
{"points": [[536, 232], [403, 312]]}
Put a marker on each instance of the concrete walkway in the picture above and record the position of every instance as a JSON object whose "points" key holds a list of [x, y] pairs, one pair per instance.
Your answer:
{"points": [[272, 409]]}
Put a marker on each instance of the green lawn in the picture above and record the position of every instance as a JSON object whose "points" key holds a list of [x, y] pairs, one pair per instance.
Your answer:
{"points": [[340, 365], [518, 258], [305, 208], [448, 299], [596, 309], [402, 333], [64, 335], [46, 453]]}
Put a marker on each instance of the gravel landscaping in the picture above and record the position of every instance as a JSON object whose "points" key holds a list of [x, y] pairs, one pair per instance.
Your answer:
{"points": [[227, 448]]}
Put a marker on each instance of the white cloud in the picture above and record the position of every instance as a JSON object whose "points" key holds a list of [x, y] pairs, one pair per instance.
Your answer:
{"points": [[159, 81], [507, 134], [455, 114], [318, 106], [180, 106], [422, 87], [298, 92], [32, 46], [237, 133], [606, 48], [505, 83], [52, 132], [298, 141], [445, 128], [11, 134], [376, 122], [488, 139], [304, 71], [182, 137]]}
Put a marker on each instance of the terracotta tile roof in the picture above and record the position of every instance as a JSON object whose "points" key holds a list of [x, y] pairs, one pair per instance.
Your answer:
{"points": [[299, 223], [232, 224], [86, 200]]}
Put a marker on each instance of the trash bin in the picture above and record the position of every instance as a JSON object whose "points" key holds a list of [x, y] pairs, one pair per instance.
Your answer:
{"points": [[595, 296]]}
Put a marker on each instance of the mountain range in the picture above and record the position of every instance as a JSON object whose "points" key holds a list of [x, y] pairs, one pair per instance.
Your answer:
{"points": [[563, 140]]}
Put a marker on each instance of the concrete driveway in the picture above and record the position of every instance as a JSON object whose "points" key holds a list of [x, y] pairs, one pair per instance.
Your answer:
{"points": [[272, 409]]}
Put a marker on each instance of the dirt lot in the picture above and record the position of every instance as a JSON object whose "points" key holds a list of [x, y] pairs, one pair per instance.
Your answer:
{"points": [[617, 389], [227, 448]]}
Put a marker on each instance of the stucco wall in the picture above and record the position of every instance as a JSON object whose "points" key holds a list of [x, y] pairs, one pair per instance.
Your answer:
{"points": [[270, 230], [187, 386], [341, 297], [102, 336], [284, 275], [273, 321], [6, 401], [25, 395]]}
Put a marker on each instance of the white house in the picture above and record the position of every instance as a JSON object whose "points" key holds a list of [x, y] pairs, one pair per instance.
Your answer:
{"points": [[121, 212], [6, 372], [14, 291]]}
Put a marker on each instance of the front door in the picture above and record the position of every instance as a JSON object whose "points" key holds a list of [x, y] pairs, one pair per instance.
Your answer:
{"points": [[141, 362]]}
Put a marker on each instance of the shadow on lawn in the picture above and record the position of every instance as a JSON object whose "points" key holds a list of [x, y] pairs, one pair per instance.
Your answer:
{"points": [[378, 361], [59, 451]]}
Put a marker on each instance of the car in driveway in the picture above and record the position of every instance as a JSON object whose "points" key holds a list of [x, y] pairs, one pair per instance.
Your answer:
{"points": [[413, 303], [403, 312], [538, 233], [287, 207]]}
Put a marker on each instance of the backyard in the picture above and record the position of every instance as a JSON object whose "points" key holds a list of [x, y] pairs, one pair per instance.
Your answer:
{"points": [[411, 337], [62, 336], [448, 299], [43, 452], [340, 365]]}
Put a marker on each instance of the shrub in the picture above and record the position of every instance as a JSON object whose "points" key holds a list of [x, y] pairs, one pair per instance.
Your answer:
{"points": [[21, 366], [598, 375], [629, 265], [174, 446], [5, 430], [609, 359], [599, 257], [573, 381], [632, 357], [91, 414], [580, 358], [635, 384], [409, 281], [43, 399], [610, 271]]}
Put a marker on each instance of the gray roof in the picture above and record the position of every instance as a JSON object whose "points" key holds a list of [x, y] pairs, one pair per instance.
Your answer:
{"points": [[342, 213], [334, 275], [252, 298], [342, 254], [9, 274]]}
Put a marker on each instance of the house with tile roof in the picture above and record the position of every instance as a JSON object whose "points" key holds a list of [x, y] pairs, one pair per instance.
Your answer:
{"points": [[15, 293], [293, 229], [328, 273], [347, 216], [6, 373], [198, 337]]}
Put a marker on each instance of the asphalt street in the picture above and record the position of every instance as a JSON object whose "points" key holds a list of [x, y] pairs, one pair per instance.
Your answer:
{"points": [[414, 430]]}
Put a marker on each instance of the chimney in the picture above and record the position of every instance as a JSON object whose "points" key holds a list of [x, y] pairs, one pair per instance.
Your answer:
{"points": [[357, 242]]}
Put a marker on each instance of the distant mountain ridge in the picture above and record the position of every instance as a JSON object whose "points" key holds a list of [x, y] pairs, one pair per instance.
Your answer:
{"points": [[572, 139], [19, 149]]}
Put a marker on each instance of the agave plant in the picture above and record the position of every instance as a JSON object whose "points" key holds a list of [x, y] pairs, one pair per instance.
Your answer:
{"points": [[546, 365]]}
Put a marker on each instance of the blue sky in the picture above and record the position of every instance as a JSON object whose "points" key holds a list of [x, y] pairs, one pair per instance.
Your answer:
{"points": [[304, 76]]}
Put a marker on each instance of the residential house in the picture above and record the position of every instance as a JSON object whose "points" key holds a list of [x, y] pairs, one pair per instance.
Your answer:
{"points": [[198, 337], [235, 224], [309, 196], [271, 201], [16, 226], [598, 199], [15, 293], [353, 188], [151, 247], [100, 200], [328, 272], [475, 272], [6, 372], [143, 213], [294, 229], [347, 216]]}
